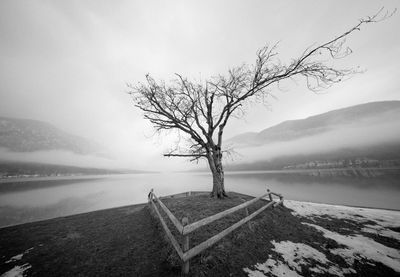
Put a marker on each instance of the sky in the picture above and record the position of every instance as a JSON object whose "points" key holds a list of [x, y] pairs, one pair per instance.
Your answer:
{"points": [[68, 62]]}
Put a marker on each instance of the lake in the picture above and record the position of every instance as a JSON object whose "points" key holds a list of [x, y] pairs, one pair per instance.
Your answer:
{"points": [[42, 198]]}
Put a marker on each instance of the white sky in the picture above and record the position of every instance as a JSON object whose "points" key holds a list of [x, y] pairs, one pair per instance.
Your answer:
{"points": [[67, 62]]}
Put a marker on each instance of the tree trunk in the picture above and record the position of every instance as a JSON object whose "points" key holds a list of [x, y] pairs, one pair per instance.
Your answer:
{"points": [[217, 170], [218, 184]]}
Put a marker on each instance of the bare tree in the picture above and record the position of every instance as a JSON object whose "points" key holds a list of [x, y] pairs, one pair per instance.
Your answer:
{"points": [[200, 110]]}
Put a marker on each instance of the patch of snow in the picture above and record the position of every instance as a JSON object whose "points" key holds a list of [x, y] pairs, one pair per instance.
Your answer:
{"points": [[17, 271], [271, 266], [385, 218], [359, 247], [296, 255], [14, 258], [19, 256], [381, 231], [382, 218]]}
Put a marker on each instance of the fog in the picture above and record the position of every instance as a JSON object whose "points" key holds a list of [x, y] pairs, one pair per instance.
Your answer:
{"points": [[68, 62], [372, 131], [62, 158]]}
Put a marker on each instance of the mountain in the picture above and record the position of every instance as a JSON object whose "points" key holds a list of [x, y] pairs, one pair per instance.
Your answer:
{"points": [[26, 135], [362, 135], [35, 148], [322, 123], [27, 169], [24, 169]]}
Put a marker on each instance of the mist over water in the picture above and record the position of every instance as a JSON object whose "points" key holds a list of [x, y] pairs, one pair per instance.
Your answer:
{"points": [[376, 130], [60, 157], [37, 200]]}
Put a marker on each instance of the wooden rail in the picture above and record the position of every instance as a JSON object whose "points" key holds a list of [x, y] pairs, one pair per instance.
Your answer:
{"points": [[195, 225], [174, 220], [211, 241], [185, 228], [168, 232]]}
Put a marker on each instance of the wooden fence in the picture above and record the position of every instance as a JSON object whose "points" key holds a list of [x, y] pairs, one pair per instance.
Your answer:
{"points": [[185, 228]]}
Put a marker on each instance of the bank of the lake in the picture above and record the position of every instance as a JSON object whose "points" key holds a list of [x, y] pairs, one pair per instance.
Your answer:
{"points": [[29, 200], [128, 241]]}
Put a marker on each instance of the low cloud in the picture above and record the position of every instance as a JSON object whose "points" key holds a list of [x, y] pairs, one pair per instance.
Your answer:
{"points": [[359, 135], [61, 158]]}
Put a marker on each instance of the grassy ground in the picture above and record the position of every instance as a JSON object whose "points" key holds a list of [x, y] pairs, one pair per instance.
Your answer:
{"points": [[114, 242], [128, 241]]}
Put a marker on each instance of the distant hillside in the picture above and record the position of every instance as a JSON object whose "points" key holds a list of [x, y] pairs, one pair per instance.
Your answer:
{"points": [[368, 132], [318, 124], [384, 156], [26, 135], [26, 169], [16, 169]]}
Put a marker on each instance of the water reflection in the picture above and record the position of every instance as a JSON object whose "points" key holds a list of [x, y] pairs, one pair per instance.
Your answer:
{"points": [[382, 192], [36, 200]]}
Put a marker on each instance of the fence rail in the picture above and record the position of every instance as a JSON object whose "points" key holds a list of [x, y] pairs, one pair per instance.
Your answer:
{"points": [[168, 232], [171, 216], [185, 228]]}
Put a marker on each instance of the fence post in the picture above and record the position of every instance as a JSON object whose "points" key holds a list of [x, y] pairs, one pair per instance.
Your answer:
{"points": [[281, 199], [185, 265], [247, 214], [150, 196], [270, 196]]}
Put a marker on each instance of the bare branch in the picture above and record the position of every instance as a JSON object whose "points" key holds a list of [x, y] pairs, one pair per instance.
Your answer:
{"points": [[200, 111]]}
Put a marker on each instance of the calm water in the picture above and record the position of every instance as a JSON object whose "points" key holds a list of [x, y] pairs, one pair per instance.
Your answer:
{"points": [[36, 200]]}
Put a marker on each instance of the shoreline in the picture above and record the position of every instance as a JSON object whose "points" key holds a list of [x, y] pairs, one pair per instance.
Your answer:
{"points": [[228, 172], [168, 196]]}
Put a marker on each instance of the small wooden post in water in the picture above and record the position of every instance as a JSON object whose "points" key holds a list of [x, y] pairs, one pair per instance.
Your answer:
{"points": [[185, 265]]}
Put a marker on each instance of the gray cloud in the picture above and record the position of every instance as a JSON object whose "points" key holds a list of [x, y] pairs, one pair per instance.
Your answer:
{"points": [[66, 62]]}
